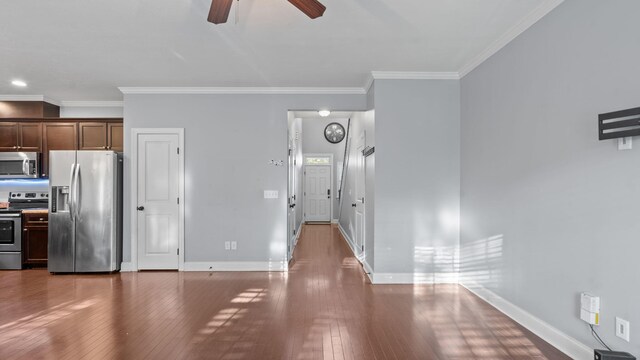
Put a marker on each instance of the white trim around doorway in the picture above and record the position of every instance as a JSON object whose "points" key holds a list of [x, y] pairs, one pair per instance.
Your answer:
{"points": [[133, 265], [304, 174]]}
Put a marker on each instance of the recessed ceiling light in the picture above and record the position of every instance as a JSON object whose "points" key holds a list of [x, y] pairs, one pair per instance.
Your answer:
{"points": [[324, 113], [19, 83]]}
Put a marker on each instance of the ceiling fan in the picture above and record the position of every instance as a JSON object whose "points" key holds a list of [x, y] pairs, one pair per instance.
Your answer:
{"points": [[219, 11]]}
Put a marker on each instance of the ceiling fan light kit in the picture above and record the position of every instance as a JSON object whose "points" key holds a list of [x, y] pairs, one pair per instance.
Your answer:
{"points": [[219, 11]]}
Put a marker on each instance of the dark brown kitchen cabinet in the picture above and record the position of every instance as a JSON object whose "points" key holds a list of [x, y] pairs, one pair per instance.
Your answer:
{"points": [[57, 136], [30, 136], [9, 136], [92, 136], [20, 136], [35, 239], [100, 136], [115, 137]]}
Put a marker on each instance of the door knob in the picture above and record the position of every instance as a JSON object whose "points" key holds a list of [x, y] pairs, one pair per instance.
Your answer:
{"points": [[354, 205], [140, 208]]}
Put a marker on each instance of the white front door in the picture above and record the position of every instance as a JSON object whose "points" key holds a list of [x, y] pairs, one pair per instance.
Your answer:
{"points": [[158, 203], [317, 189], [360, 191]]}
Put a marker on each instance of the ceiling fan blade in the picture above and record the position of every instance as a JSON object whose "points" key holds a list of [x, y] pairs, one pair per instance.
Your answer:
{"points": [[313, 8], [219, 11]]}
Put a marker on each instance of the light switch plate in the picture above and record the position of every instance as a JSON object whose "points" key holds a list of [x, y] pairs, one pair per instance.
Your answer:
{"points": [[234, 245], [227, 245], [622, 329], [271, 194]]}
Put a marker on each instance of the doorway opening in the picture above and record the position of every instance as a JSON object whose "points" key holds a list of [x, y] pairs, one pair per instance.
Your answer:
{"points": [[330, 176]]}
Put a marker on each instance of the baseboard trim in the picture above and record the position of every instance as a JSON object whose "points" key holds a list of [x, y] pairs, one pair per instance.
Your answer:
{"points": [[368, 270], [236, 266], [335, 221], [555, 337], [127, 266], [413, 278], [348, 239]]}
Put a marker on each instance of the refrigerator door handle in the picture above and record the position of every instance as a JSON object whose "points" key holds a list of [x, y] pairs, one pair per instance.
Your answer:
{"points": [[76, 190], [71, 200]]}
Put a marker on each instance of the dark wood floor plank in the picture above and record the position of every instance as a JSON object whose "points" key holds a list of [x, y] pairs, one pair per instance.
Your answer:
{"points": [[323, 308]]}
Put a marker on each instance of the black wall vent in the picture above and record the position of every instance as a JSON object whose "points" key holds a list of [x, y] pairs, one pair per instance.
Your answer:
{"points": [[619, 124]]}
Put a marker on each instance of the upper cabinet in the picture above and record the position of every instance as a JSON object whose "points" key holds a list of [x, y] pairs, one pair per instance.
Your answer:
{"points": [[9, 136], [92, 136], [57, 136], [115, 137], [30, 136], [100, 136], [20, 136]]}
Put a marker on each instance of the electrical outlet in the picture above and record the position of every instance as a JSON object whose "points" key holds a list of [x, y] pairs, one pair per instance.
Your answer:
{"points": [[622, 329], [227, 245], [234, 245]]}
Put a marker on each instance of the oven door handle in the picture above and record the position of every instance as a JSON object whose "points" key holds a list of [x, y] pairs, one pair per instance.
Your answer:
{"points": [[9, 215]]}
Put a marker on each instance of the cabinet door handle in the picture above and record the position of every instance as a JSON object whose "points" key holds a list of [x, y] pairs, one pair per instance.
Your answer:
{"points": [[24, 229]]}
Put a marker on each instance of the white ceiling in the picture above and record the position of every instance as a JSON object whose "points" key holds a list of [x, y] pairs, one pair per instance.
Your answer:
{"points": [[85, 50]]}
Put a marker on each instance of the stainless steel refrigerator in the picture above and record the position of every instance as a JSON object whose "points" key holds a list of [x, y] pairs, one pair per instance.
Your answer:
{"points": [[85, 211]]}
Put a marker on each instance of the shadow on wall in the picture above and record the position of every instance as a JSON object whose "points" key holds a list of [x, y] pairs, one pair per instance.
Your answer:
{"points": [[481, 262]]}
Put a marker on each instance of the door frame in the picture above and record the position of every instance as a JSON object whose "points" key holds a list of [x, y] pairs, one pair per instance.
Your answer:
{"points": [[133, 201], [304, 183], [362, 141]]}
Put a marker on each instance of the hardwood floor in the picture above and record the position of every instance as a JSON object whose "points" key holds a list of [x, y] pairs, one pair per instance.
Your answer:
{"points": [[323, 308]]}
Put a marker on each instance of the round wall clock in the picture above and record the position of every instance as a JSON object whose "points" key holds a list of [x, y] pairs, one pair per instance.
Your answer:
{"points": [[334, 133]]}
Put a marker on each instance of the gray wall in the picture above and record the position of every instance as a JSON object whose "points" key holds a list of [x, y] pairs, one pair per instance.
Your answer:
{"points": [[228, 141], [417, 176], [549, 211], [91, 111], [313, 141]]}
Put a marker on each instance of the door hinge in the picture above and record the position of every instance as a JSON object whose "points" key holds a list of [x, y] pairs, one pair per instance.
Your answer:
{"points": [[177, 251], [178, 201], [363, 200], [178, 151], [362, 247]]}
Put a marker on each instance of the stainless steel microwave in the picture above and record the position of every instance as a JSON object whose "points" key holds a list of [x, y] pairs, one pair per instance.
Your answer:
{"points": [[19, 165]]}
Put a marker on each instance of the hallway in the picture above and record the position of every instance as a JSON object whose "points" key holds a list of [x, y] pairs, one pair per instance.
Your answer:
{"points": [[323, 308]]}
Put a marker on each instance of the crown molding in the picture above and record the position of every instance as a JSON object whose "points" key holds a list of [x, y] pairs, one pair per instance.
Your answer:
{"points": [[369, 84], [414, 75], [29, 98], [242, 91], [92, 103], [532, 18]]}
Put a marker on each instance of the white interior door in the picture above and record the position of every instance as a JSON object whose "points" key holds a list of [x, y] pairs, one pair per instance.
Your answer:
{"points": [[360, 192], [158, 203], [292, 196], [317, 193]]}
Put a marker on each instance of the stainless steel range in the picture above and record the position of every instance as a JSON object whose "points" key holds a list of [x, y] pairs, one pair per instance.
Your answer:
{"points": [[11, 225]]}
